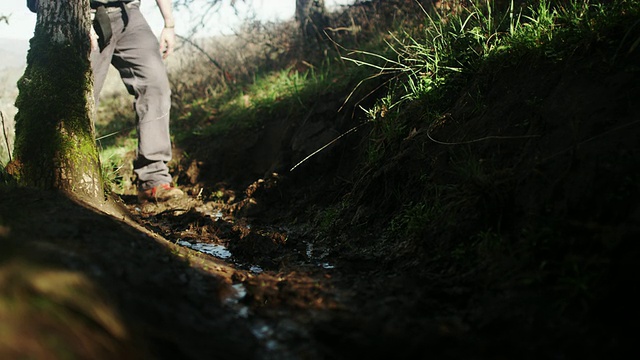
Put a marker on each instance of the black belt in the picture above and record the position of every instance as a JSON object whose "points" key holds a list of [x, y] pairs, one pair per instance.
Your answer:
{"points": [[117, 6]]}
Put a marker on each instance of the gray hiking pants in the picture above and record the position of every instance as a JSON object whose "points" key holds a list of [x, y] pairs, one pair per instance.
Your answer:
{"points": [[135, 52]]}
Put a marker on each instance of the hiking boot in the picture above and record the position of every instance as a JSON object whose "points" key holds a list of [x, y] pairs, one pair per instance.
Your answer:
{"points": [[160, 193]]}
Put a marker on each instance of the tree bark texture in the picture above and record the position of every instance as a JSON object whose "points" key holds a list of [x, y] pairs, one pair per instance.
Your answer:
{"points": [[55, 137]]}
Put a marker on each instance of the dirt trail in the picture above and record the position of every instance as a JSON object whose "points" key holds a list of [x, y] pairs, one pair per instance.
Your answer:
{"points": [[296, 298], [287, 293]]}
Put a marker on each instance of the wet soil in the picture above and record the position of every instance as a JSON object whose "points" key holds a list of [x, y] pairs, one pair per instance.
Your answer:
{"points": [[188, 279]]}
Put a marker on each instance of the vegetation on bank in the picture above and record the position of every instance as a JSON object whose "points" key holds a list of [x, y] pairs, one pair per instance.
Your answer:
{"points": [[423, 59], [421, 55], [461, 187]]}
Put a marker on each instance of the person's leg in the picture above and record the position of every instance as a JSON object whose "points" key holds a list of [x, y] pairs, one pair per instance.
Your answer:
{"points": [[100, 63], [137, 58]]}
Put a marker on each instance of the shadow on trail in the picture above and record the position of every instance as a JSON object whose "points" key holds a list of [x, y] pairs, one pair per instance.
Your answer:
{"points": [[83, 284]]}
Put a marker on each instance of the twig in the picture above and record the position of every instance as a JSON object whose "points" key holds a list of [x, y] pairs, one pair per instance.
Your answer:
{"points": [[115, 132], [328, 144], [490, 137], [6, 138]]}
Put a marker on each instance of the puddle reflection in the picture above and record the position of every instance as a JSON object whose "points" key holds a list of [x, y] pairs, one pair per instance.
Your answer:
{"points": [[216, 250]]}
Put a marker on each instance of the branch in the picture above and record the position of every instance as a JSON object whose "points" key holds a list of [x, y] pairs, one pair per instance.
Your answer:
{"points": [[212, 60]]}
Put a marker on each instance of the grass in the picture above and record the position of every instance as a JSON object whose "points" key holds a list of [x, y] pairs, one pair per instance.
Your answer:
{"points": [[424, 64], [427, 67], [283, 93], [116, 172]]}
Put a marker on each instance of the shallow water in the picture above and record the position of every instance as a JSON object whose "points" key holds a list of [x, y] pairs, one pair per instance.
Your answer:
{"points": [[216, 250]]}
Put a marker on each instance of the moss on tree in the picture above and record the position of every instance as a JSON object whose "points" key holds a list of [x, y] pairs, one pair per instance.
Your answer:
{"points": [[55, 139]]}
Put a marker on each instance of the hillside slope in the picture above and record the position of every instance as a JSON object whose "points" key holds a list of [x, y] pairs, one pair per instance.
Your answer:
{"points": [[513, 217]]}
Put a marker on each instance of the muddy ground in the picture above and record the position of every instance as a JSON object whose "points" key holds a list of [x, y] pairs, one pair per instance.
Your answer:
{"points": [[244, 268], [143, 284]]}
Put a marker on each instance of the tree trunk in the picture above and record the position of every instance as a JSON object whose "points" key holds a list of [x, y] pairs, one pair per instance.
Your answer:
{"points": [[55, 137], [310, 15]]}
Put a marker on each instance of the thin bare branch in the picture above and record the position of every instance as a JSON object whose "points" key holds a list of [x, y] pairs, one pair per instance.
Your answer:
{"points": [[199, 48]]}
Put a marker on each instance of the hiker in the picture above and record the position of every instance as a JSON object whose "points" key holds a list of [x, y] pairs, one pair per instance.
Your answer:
{"points": [[122, 37]]}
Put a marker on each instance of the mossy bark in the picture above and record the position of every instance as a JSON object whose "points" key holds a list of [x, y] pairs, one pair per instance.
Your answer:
{"points": [[55, 138]]}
